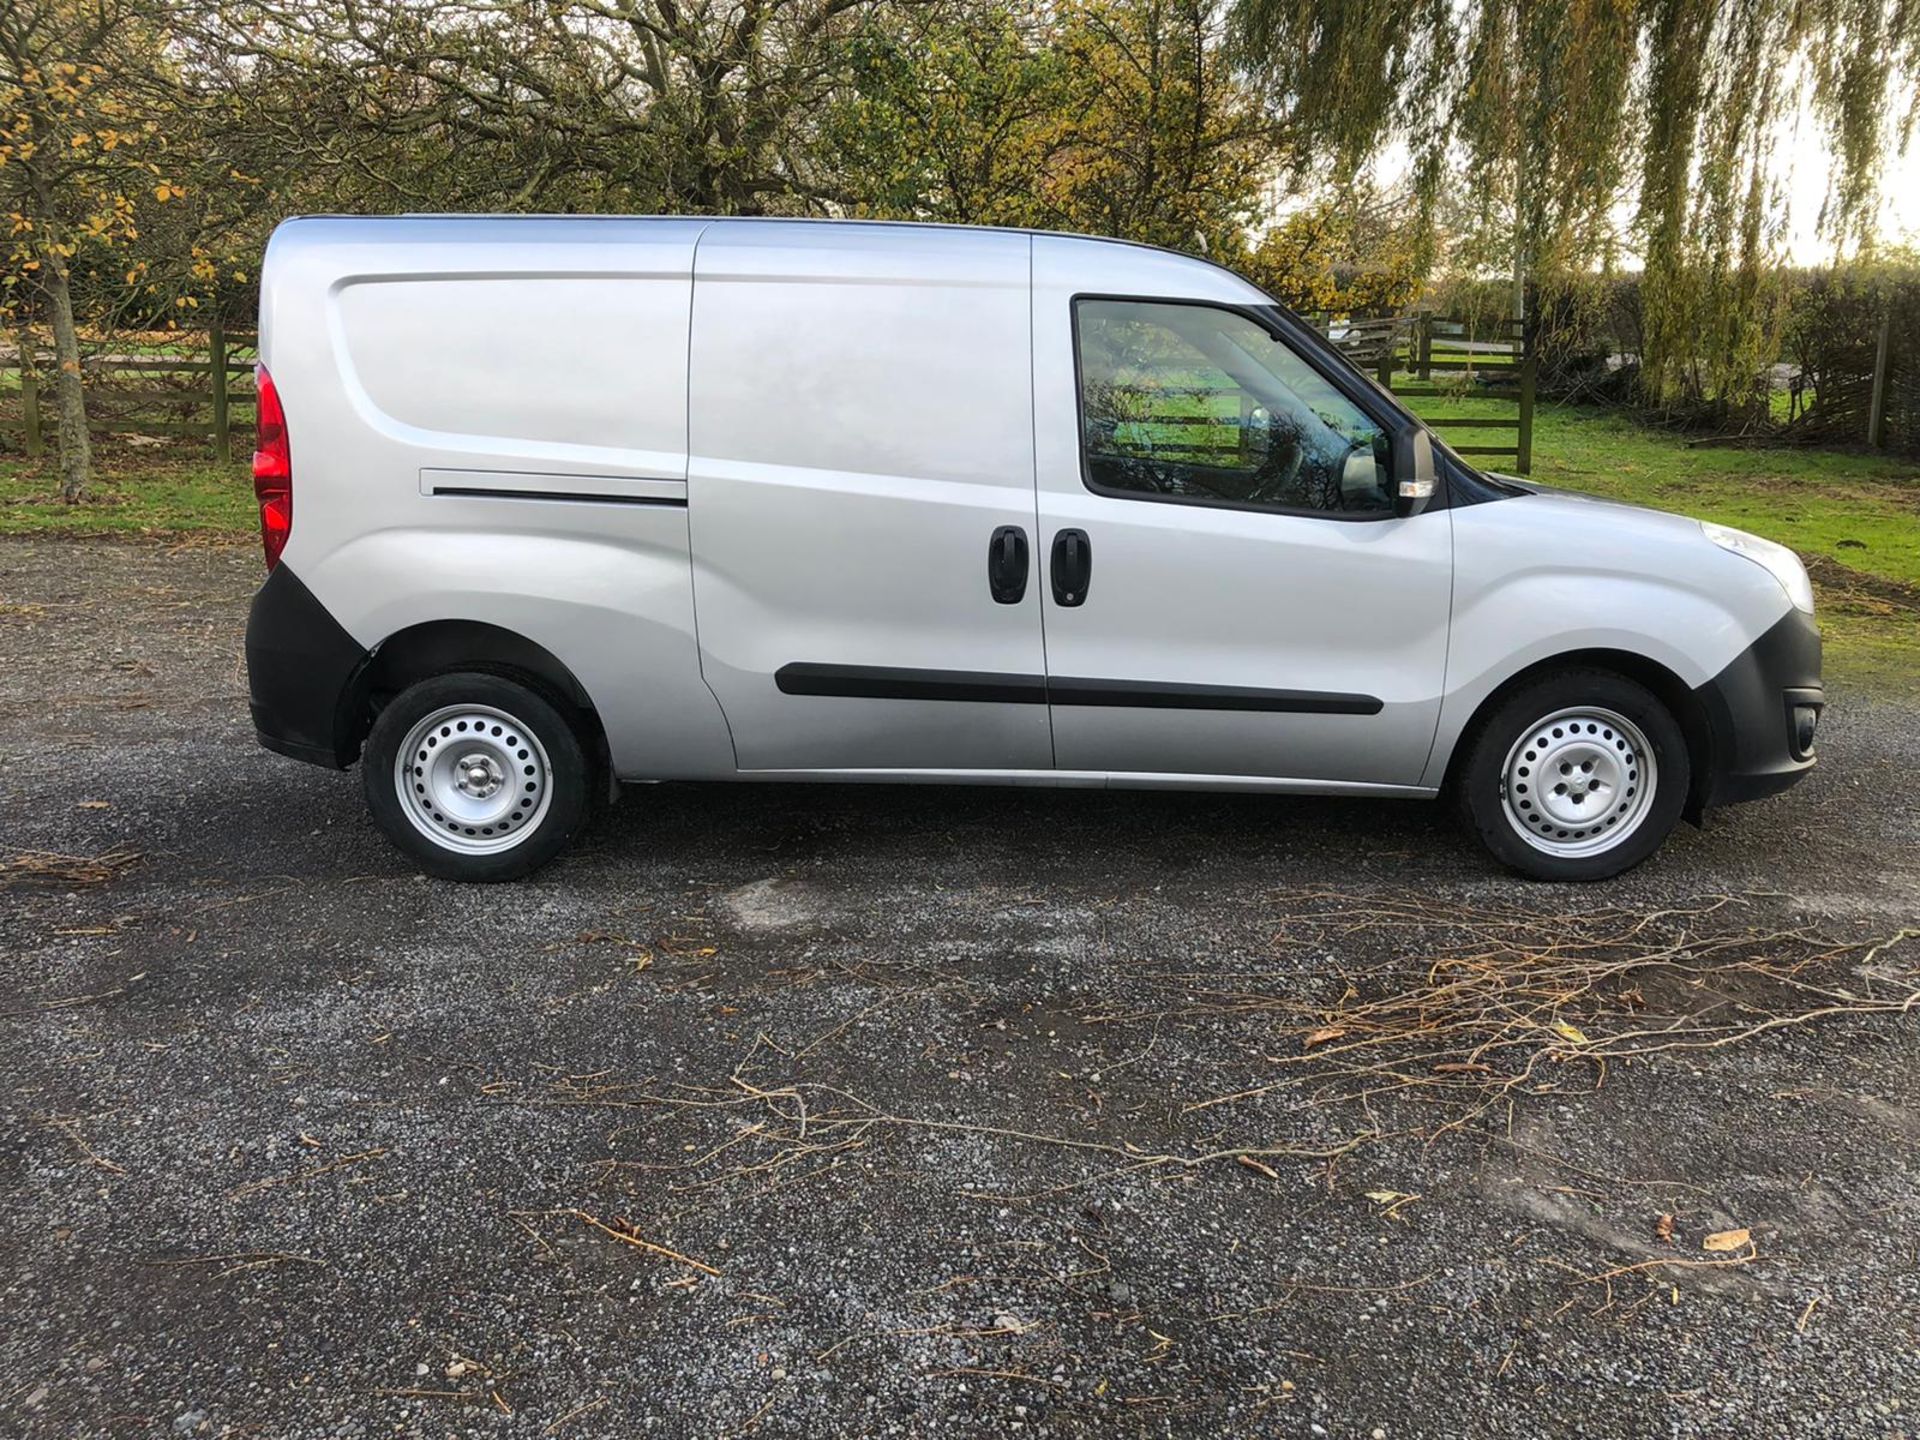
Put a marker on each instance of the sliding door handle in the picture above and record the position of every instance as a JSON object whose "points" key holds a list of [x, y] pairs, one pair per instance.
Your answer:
{"points": [[1007, 565], [1072, 567]]}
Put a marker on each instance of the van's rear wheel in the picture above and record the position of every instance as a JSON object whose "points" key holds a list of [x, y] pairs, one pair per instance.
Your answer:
{"points": [[1577, 775], [475, 776]]}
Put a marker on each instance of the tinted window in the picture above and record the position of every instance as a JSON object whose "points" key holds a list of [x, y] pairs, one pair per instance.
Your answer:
{"points": [[1203, 404]]}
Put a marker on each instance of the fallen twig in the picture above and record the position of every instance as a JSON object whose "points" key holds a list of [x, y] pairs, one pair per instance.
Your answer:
{"points": [[627, 1237], [254, 1187]]}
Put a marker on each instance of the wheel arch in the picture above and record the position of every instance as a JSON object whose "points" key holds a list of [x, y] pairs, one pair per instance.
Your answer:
{"points": [[1672, 691], [440, 647]]}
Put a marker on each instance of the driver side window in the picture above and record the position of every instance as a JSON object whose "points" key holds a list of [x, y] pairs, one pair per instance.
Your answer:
{"points": [[1196, 403]]}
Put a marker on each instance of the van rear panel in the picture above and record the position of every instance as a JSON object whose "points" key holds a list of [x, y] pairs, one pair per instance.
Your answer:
{"points": [[487, 424]]}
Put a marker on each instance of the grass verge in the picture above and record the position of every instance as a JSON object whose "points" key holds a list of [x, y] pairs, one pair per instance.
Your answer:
{"points": [[165, 491]]}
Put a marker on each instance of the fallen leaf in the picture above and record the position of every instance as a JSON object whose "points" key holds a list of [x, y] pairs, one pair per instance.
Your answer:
{"points": [[1663, 1229], [94, 805], [1569, 1032], [1330, 1032], [1253, 1164], [1727, 1240], [1392, 1202]]}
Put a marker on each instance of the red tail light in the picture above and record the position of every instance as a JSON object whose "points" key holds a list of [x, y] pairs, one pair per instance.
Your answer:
{"points": [[272, 469]]}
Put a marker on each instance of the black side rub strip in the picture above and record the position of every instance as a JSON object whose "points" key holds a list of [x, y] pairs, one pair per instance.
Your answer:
{"points": [[487, 492], [1160, 695], [887, 682]]}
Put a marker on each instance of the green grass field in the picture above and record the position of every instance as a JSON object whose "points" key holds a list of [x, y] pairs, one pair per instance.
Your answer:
{"points": [[1860, 512], [165, 491]]}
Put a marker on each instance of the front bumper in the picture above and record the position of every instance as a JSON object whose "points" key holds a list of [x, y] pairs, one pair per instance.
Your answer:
{"points": [[304, 675], [1761, 713]]}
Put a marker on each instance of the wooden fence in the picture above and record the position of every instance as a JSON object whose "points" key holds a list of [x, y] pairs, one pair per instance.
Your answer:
{"points": [[1414, 356], [185, 394]]}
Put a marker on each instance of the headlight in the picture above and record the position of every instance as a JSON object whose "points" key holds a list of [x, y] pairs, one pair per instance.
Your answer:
{"points": [[1777, 560]]}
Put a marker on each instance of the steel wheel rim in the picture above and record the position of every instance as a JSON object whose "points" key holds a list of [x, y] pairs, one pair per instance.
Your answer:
{"points": [[1578, 782], [473, 779]]}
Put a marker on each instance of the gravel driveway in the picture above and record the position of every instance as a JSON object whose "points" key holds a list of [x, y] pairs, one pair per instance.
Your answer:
{"points": [[863, 1111]]}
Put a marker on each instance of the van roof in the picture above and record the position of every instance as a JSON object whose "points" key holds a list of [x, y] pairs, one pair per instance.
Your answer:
{"points": [[821, 220]]}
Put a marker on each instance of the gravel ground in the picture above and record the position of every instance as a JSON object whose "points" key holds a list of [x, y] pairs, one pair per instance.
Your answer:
{"points": [[861, 1111]]}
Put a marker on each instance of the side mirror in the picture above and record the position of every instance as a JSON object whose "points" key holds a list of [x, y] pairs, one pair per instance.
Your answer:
{"points": [[1414, 472]]}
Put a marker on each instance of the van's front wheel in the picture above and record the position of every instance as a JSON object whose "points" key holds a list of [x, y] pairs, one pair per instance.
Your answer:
{"points": [[475, 776], [1578, 775]]}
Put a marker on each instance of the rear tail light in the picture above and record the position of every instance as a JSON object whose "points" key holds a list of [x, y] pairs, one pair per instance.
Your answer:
{"points": [[272, 470]]}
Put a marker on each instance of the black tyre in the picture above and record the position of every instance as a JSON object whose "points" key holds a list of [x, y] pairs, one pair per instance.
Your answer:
{"points": [[476, 776], [1577, 775]]}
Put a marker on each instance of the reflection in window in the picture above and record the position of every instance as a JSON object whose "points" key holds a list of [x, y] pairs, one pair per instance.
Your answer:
{"points": [[1201, 403]]}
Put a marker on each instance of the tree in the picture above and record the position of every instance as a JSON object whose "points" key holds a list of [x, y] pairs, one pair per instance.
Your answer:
{"points": [[1354, 249], [944, 113], [1110, 117], [1558, 112], [78, 154], [628, 105]]}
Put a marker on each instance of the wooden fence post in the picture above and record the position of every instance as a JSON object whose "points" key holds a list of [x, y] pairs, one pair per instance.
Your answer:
{"points": [[217, 356], [1529, 379], [1426, 347], [1385, 373], [1882, 375]]}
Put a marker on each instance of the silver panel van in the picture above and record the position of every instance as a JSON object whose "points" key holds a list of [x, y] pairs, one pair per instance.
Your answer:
{"points": [[551, 503]]}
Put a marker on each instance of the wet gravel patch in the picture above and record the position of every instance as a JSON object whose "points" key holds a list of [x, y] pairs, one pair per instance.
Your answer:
{"points": [[857, 1111]]}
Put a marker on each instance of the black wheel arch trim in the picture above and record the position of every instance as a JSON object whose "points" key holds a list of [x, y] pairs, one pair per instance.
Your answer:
{"points": [[1737, 725], [313, 689]]}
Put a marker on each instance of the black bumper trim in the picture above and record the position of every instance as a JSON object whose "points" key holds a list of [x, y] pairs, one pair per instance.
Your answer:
{"points": [[303, 675], [1749, 710]]}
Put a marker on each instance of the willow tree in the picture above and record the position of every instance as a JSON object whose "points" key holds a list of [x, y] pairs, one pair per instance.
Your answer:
{"points": [[1559, 114]]}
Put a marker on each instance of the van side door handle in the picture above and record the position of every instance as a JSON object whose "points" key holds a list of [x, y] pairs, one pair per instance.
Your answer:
{"points": [[1007, 565], [1072, 567]]}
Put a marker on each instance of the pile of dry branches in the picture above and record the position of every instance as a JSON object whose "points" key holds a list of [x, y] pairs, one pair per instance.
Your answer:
{"points": [[64, 872], [1470, 1005]]}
